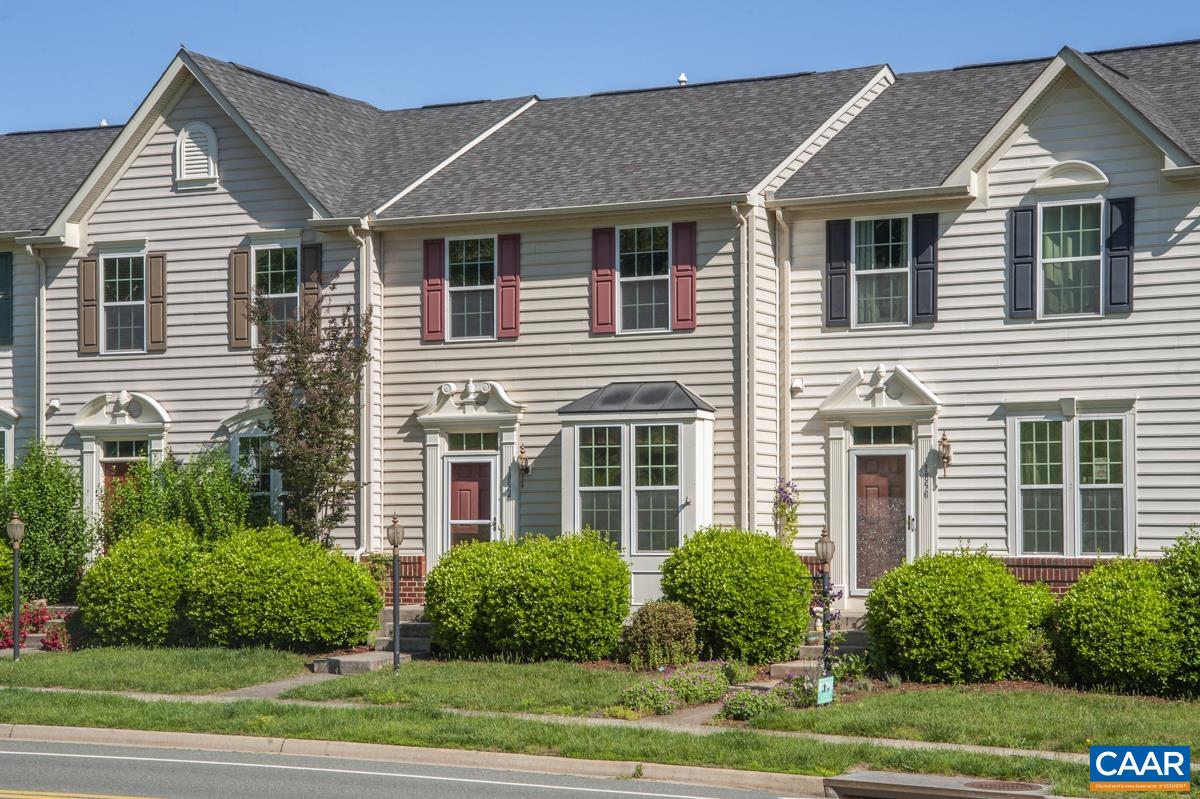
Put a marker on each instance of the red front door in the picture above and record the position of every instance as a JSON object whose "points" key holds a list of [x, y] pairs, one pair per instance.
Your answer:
{"points": [[881, 516], [470, 502]]}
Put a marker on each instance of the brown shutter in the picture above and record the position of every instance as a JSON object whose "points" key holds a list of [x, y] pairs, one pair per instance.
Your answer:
{"points": [[310, 277], [239, 300], [89, 306], [604, 280], [683, 276], [433, 292], [508, 284], [156, 302]]}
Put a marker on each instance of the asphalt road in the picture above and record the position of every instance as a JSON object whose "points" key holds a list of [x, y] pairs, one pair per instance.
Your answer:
{"points": [[56, 770]]}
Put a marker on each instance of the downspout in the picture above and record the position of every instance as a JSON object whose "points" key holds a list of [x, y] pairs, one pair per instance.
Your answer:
{"points": [[365, 443], [745, 329], [40, 343], [783, 271]]}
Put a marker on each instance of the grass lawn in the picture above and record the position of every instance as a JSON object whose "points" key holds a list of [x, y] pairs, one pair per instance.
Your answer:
{"points": [[565, 688], [165, 671], [1059, 720], [425, 726]]}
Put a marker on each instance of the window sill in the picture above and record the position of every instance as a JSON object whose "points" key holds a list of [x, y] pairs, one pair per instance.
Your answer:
{"points": [[654, 332], [469, 340], [196, 184], [884, 326]]}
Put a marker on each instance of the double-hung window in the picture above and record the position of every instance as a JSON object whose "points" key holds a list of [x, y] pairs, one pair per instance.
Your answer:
{"points": [[277, 277], [880, 261], [124, 305], [634, 467], [644, 285], [1072, 485], [471, 273], [1070, 259], [253, 454]]}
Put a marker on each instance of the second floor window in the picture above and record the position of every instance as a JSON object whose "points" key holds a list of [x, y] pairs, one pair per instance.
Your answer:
{"points": [[644, 266], [471, 268], [124, 303], [1070, 259], [881, 257], [277, 275]]}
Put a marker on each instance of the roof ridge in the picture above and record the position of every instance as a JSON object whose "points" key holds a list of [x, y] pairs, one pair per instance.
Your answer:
{"points": [[62, 130], [295, 84]]}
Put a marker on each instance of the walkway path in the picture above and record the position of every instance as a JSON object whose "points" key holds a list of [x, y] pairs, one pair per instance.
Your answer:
{"points": [[273, 690]]}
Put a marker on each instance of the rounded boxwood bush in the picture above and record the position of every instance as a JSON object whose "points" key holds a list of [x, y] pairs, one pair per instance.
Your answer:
{"points": [[1114, 628], [562, 598], [133, 596], [1181, 577], [454, 594], [268, 587], [750, 594], [661, 633], [950, 617]]}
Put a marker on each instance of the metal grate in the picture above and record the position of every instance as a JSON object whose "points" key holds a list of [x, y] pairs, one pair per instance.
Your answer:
{"points": [[1003, 785]]}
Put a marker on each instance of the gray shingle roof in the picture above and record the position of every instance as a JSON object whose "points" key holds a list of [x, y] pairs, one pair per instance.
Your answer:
{"points": [[664, 395], [699, 140], [40, 171], [916, 132], [350, 155]]}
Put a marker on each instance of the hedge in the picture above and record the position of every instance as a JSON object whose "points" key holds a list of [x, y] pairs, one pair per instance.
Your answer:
{"points": [[1181, 579]]}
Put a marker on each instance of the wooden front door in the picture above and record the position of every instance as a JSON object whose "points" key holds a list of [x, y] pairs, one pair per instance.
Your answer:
{"points": [[471, 509], [881, 516]]}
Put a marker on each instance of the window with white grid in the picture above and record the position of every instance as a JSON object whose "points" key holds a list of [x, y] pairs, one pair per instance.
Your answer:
{"points": [[881, 255], [644, 266]]}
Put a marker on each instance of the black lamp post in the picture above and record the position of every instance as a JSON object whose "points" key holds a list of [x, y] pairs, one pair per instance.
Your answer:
{"points": [[16, 531], [825, 552], [395, 534]]}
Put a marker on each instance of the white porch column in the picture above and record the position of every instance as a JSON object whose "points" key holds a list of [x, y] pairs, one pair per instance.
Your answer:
{"points": [[434, 501], [927, 464], [510, 480], [838, 498]]}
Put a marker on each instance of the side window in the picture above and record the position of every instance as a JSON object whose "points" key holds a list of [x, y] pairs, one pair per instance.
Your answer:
{"points": [[253, 457], [1070, 258], [656, 487], [644, 277], [1041, 486], [277, 275], [471, 273], [124, 303], [881, 258], [599, 481]]}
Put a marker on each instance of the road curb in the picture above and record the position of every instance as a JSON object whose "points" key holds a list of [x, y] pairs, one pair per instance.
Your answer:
{"points": [[793, 785]]}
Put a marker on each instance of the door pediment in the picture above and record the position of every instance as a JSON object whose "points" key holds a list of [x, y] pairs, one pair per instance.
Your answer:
{"points": [[881, 394]]}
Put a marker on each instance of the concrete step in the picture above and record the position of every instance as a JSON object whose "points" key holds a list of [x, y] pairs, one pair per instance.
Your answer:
{"points": [[796, 668], [358, 663], [407, 613], [415, 646], [33, 641]]}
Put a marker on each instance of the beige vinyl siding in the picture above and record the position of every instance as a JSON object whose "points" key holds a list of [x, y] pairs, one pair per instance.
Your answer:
{"points": [[18, 361], [765, 387], [556, 359], [199, 380], [976, 359]]}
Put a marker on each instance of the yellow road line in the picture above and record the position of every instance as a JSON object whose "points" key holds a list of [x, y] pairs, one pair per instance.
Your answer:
{"points": [[11, 794]]}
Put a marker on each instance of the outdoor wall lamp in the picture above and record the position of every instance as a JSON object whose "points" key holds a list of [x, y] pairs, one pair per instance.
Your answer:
{"points": [[944, 452], [16, 531], [523, 465]]}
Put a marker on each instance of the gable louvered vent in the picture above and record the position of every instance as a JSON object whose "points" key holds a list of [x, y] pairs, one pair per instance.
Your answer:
{"points": [[196, 156]]}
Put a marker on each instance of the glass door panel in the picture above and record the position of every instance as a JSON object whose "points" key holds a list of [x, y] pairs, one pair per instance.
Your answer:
{"points": [[881, 516]]}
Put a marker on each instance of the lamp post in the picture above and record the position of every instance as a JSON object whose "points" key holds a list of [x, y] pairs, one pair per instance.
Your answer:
{"points": [[395, 535], [16, 531], [825, 551]]}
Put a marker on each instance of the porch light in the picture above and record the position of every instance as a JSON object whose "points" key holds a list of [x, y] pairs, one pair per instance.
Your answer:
{"points": [[825, 548], [523, 462], [395, 533], [395, 536], [944, 452], [16, 531]]}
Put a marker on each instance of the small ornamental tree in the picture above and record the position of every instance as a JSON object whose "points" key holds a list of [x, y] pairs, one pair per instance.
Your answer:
{"points": [[311, 370]]}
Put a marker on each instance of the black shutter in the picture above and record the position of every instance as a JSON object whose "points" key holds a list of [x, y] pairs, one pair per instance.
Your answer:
{"points": [[1119, 296], [837, 273], [1022, 279], [6, 298], [925, 236]]}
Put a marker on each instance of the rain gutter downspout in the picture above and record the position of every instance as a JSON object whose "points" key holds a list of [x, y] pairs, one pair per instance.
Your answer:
{"points": [[783, 272], [40, 342], [745, 329], [365, 441]]}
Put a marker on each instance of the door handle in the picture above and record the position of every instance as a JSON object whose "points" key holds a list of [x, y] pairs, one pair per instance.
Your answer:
{"points": [[911, 522]]}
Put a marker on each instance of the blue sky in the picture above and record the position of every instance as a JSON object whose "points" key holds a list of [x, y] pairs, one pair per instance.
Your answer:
{"points": [[86, 61]]}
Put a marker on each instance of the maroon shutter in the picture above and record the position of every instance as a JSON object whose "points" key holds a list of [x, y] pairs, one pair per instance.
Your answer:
{"points": [[509, 286], [604, 280], [433, 292], [683, 276], [239, 300], [310, 277], [156, 302], [89, 306]]}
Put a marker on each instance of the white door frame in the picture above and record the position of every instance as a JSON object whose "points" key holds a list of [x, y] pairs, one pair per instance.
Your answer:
{"points": [[910, 523], [493, 462]]}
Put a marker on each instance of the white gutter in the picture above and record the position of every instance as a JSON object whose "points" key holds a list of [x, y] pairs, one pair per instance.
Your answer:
{"points": [[1169, 173], [783, 272], [566, 210], [365, 441], [40, 343], [964, 191], [745, 328]]}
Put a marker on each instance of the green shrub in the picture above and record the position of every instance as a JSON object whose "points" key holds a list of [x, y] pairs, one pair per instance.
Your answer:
{"points": [[6, 567], [45, 491], [699, 685], [267, 587], [455, 590], [750, 594], [737, 672], [560, 598], [1181, 577], [133, 596], [1036, 660], [799, 692], [206, 492], [747, 704], [950, 617], [1114, 628], [850, 667], [651, 696], [661, 633]]}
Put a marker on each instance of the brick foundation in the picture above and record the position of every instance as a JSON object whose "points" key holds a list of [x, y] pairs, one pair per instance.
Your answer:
{"points": [[1058, 574], [412, 580]]}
